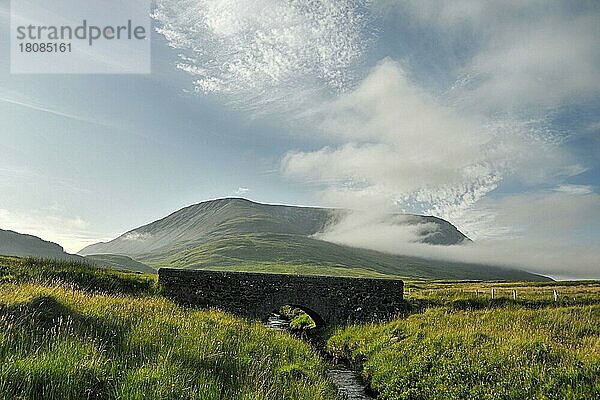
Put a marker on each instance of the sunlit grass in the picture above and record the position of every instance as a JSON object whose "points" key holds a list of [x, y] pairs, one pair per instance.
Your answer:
{"points": [[79, 275], [509, 353], [57, 343], [71, 331]]}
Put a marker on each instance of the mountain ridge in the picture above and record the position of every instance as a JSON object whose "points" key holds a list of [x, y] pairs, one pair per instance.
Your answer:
{"points": [[24, 245], [190, 224], [18, 244], [232, 233]]}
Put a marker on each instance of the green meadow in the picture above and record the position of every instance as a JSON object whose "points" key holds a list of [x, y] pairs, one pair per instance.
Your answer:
{"points": [[455, 342], [64, 336], [71, 331]]}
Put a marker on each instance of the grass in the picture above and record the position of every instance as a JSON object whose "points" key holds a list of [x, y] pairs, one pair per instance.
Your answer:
{"points": [[63, 338], [119, 262], [473, 295], [71, 331], [292, 251], [81, 276], [506, 351], [294, 269], [299, 320]]}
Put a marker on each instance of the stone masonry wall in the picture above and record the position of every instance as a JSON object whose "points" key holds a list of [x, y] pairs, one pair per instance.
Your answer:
{"points": [[329, 300]]}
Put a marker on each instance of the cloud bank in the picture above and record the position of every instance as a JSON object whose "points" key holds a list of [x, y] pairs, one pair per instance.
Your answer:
{"points": [[550, 233], [259, 53]]}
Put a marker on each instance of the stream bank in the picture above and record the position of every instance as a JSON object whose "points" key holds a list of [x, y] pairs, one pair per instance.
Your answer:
{"points": [[348, 381]]}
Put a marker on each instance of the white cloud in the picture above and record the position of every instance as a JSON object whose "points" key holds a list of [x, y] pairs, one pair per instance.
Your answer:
{"points": [[26, 103], [376, 230], [574, 189], [265, 51], [137, 237], [398, 142], [539, 66], [530, 54], [242, 190]]}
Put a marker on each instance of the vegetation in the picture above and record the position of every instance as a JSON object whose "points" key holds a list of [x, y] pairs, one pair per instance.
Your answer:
{"points": [[290, 252], [79, 275], [457, 345], [72, 331], [295, 269], [299, 320], [119, 262], [63, 338]]}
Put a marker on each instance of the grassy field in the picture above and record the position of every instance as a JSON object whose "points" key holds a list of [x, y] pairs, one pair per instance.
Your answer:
{"points": [[71, 334], [79, 276], [457, 344], [567, 293], [71, 331]]}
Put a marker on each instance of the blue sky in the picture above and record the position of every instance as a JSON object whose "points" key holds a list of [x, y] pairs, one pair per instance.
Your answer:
{"points": [[483, 113]]}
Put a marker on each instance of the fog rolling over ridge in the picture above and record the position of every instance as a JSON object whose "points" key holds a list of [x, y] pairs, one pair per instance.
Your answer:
{"points": [[234, 233]]}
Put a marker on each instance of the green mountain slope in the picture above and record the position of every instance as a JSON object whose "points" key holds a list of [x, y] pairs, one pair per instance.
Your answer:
{"points": [[119, 262], [286, 253], [223, 218], [238, 234]]}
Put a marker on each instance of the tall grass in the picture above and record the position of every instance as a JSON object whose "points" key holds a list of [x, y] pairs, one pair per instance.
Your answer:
{"points": [[79, 275], [500, 353], [527, 293], [73, 331], [56, 343]]}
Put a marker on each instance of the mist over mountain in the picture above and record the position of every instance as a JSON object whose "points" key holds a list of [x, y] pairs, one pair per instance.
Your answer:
{"points": [[235, 233]]}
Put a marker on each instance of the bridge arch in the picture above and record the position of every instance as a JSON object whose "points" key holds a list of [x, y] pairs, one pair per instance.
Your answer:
{"points": [[314, 315], [332, 300]]}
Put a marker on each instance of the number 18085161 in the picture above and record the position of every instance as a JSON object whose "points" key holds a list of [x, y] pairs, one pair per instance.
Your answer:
{"points": [[45, 47]]}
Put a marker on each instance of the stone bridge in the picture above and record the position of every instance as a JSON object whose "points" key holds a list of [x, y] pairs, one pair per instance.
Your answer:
{"points": [[328, 300]]}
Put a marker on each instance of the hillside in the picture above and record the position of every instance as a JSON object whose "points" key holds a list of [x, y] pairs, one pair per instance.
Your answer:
{"points": [[18, 244], [118, 262], [22, 245], [240, 234], [223, 218]]}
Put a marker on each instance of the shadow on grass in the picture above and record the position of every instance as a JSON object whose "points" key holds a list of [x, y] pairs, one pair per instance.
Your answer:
{"points": [[52, 343], [45, 316]]}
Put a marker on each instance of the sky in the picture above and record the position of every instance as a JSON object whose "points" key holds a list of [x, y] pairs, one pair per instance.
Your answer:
{"points": [[484, 113]]}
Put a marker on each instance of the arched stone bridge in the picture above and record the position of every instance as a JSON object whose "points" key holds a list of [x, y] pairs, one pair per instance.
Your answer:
{"points": [[328, 300]]}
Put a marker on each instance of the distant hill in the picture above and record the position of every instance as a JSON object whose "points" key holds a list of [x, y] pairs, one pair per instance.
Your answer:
{"points": [[120, 262], [22, 245], [239, 234]]}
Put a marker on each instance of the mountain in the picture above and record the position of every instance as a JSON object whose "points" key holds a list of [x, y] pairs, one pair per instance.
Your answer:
{"points": [[22, 245], [120, 262], [18, 244], [238, 234]]}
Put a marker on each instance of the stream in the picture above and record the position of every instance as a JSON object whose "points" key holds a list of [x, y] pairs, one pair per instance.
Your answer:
{"points": [[347, 381]]}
